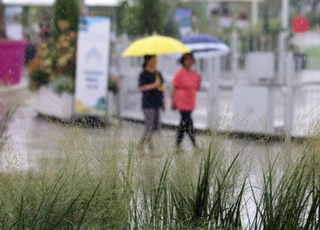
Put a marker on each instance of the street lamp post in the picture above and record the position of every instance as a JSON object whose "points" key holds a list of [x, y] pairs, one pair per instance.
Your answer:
{"points": [[286, 70], [282, 39], [285, 14], [254, 12], [266, 17]]}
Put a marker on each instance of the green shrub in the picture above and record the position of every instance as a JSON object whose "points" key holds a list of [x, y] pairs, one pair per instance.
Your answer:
{"points": [[63, 84], [113, 86], [314, 19], [274, 27], [38, 78], [58, 58]]}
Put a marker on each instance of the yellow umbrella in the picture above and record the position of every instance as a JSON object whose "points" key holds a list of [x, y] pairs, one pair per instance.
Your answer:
{"points": [[155, 45]]}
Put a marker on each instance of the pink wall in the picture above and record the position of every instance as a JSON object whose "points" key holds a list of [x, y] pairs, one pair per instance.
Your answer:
{"points": [[12, 55]]}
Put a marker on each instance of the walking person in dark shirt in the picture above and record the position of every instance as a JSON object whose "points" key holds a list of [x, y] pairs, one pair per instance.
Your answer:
{"points": [[151, 85]]}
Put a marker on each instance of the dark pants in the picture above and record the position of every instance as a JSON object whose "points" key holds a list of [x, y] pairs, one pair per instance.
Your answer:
{"points": [[186, 125], [152, 117]]}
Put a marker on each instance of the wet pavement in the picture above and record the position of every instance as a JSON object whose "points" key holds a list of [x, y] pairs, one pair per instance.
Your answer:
{"points": [[31, 135]]}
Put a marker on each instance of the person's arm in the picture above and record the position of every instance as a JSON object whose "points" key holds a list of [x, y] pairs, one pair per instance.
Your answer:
{"points": [[173, 91], [149, 87], [200, 80], [172, 96], [163, 100]]}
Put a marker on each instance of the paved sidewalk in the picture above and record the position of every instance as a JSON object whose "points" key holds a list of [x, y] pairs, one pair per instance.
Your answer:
{"points": [[13, 88]]}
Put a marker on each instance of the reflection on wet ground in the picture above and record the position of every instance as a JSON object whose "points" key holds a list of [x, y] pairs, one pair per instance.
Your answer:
{"points": [[30, 135]]}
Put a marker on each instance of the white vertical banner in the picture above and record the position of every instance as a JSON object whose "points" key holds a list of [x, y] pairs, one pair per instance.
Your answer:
{"points": [[92, 66]]}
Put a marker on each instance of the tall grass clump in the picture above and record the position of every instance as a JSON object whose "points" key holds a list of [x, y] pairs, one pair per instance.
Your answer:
{"points": [[289, 196], [77, 184], [9, 103], [95, 178], [211, 196], [86, 178], [6, 116]]}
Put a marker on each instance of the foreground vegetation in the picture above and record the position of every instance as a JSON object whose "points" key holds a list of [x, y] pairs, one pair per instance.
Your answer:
{"points": [[95, 179]]}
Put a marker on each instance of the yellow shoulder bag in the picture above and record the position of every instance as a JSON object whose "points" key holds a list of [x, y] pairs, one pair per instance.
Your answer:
{"points": [[162, 87]]}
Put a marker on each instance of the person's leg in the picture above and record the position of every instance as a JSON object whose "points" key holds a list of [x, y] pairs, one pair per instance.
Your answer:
{"points": [[157, 119], [155, 126], [151, 121], [148, 115], [158, 134], [181, 129], [190, 129]]}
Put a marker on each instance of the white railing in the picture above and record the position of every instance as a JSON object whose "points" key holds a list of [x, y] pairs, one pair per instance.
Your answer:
{"points": [[294, 99]]}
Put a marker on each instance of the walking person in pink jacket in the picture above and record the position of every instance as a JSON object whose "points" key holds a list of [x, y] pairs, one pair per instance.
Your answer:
{"points": [[184, 88]]}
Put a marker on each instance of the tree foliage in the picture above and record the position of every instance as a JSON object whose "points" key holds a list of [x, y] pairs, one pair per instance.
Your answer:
{"points": [[314, 4], [2, 22], [146, 17], [143, 18], [170, 26], [150, 16], [313, 18], [68, 10]]}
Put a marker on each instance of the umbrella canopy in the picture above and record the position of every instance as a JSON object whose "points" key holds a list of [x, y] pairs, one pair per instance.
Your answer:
{"points": [[155, 45], [205, 46]]}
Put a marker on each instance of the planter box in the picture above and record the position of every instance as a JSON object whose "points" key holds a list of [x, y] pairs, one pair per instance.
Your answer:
{"points": [[50, 104], [12, 55]]}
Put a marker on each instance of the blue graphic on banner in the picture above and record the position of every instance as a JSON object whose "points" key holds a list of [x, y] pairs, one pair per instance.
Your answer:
{"points": [[102, 103], [93, 54], [85, 22], [82, 24], [183, 17]]}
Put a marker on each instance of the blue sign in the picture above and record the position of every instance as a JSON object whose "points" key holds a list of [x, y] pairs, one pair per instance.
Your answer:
{"points": [[183, 17]]}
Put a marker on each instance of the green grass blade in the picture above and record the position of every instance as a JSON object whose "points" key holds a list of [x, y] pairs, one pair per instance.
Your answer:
{"points": [[88, 205]]}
